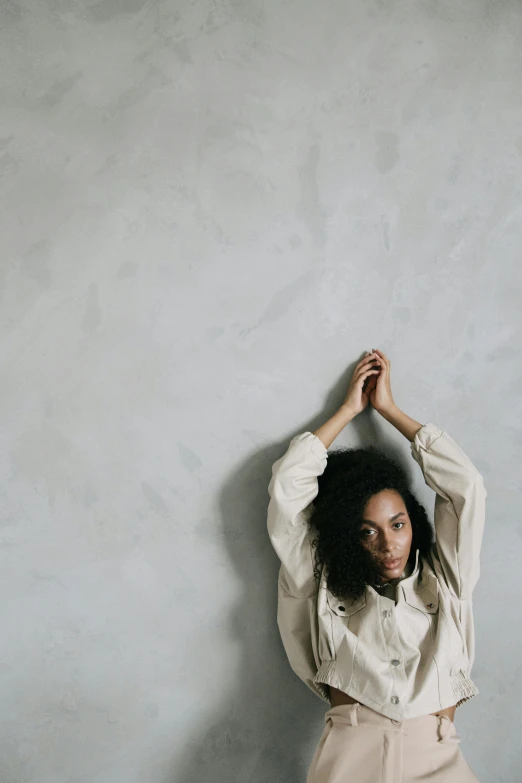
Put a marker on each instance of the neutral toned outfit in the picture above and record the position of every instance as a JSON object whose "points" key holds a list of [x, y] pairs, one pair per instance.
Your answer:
{"points": [[358, 745], [402, 654]]}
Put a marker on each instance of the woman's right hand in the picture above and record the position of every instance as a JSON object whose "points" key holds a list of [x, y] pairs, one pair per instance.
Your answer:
{"points": [[358, 395]]}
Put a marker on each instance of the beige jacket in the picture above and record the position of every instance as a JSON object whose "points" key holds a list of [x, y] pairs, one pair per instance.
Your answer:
{"points": [[405, 657]]}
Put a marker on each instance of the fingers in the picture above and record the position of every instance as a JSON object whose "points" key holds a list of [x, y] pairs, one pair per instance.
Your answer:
{"points": [[364, 372], [370, 360], [382, 356], [370, 356]]}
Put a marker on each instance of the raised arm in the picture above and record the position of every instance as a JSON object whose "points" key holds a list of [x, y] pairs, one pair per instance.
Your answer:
{"points": [[292, 488], [459, 514], [460, 508]]}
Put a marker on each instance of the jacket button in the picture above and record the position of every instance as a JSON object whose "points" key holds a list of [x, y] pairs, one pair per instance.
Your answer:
{"points": [[394, 699], [341, 608], [395, 662], [430, 606], [386, 613]]}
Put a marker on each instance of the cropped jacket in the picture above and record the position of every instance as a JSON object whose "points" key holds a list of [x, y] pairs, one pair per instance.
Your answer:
{"points": [[405, 657]]}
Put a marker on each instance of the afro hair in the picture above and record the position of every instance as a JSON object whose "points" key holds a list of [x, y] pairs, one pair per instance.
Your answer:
{"points": [[351, 477]]}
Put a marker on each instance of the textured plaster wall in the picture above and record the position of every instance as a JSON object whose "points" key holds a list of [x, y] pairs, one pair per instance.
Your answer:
{"points": [[210, 210]]}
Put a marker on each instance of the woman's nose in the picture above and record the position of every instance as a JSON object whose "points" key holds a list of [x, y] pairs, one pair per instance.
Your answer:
{"points": [[386, 542]]}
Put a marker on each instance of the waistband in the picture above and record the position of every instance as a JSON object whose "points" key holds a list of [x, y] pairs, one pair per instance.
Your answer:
{"points": [[427, 727]]}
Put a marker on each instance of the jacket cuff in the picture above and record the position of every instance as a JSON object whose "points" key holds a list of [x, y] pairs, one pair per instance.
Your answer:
{"points": [[425, 436], [313, 442], [316, 444]]}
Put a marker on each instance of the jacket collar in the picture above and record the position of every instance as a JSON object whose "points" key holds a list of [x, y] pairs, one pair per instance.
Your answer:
{"points": [[416, 567]]}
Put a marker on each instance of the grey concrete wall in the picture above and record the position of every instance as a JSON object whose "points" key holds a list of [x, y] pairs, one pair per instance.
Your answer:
{"points": [[210, 210]]}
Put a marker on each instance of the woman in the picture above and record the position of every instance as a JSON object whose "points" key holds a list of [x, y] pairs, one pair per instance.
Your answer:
{"points": [[375, 616]]}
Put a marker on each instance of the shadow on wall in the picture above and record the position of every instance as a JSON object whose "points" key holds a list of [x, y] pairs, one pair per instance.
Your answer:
{"points": [[266, 728]]}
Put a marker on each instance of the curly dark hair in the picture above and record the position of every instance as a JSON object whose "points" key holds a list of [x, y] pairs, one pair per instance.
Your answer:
{"points": [[351, 477]]}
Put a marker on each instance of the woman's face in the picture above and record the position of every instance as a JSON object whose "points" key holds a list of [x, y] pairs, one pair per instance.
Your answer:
{"points": [[386, 533]]}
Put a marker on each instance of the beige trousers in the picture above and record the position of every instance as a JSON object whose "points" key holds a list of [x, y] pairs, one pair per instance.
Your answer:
{"points": [[359, 745]]}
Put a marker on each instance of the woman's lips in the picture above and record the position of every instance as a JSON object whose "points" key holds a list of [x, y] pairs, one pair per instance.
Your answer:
{"points": [[392, 563]]}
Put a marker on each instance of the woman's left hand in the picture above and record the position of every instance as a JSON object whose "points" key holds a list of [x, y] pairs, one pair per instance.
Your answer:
{"points": [[378, 388]]}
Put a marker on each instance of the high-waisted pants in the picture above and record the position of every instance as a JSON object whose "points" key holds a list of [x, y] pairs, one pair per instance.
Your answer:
{"points": [[359, 745]]}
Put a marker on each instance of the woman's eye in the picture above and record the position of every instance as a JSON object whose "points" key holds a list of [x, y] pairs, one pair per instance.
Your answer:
{"points": [[367, 530], [401, 524]]}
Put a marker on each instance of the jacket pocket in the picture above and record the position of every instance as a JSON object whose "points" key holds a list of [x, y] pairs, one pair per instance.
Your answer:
{"points": [[426, 601], [344, 607]]}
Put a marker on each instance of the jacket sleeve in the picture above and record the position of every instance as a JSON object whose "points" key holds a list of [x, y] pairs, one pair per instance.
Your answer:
{"points": [[292, 488], [459, 514]]}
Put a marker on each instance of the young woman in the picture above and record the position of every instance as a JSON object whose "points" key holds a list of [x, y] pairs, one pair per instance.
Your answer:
{"points": [[376, 616]]}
